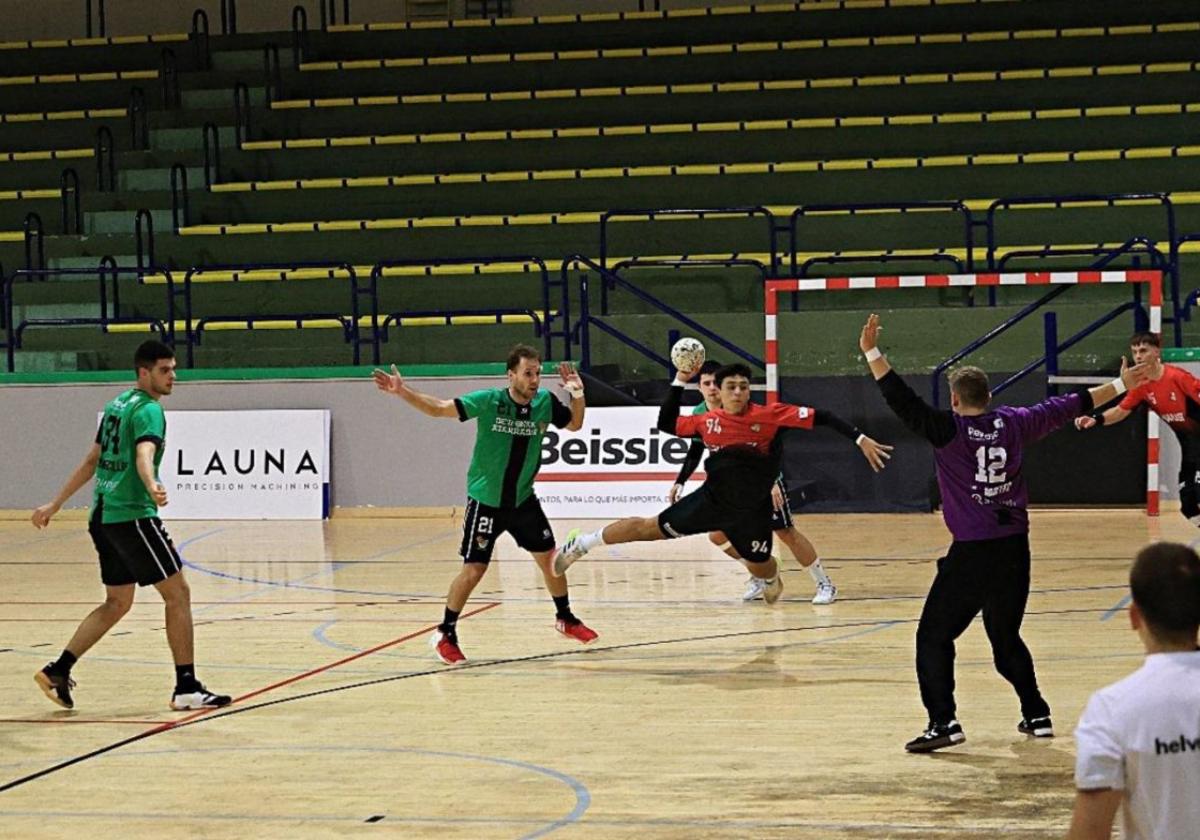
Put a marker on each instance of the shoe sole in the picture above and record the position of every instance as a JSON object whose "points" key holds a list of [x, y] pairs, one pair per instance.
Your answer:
{"points": [[1038, 733], [940, 744], [177, 708], [581, 641], [48, 689]]}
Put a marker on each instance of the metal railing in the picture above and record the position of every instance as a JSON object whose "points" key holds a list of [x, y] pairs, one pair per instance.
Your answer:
{"points": [[143, 234], [72, 207], [228, 17], [272, 75], [181, 213], [102, 30], [172, 97], [212, 154], [241, 113], [139, 120], [329, 12], [200, 36], [107, 270], [299, 35], [106, 160], [35, 242]]}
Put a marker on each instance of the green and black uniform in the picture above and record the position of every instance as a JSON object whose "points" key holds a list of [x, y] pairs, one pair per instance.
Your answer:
{"points": [[781, 518], [129, 537], [508, 444]]}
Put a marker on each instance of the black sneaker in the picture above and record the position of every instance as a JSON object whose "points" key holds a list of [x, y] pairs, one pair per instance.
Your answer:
{"points": [[56, 686], [197, 697], [937, 736], [1038, 727]]}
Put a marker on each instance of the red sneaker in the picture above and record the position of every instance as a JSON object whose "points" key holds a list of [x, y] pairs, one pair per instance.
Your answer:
{"points": [[573, 628], [446, 648]]}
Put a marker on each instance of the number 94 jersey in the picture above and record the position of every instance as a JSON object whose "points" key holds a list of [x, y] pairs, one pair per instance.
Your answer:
{"points": [[130, 419]]}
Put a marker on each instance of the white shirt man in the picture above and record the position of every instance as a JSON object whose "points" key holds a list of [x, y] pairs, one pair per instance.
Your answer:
{"points": [[1139, 739]]}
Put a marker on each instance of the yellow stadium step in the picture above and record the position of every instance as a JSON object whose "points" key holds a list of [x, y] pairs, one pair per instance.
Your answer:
{"points": [[611, 17], [112, 41], [834, 82], [12, 236], [28, 195], [226, 276], [663, 171], [56, 116], [75, 78], [750, 47], [725, 126], [328, 323], [47, 154]]}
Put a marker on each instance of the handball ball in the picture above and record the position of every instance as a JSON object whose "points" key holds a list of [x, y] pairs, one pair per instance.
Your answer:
{"points": [[687, 354]]}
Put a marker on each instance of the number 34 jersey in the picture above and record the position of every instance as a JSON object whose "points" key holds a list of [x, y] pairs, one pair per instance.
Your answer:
{"points": [[979, 471], [129, 419]]}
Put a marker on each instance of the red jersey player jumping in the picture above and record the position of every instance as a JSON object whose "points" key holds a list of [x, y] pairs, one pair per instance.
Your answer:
{"points": [[743, 462], [1174, 395]]}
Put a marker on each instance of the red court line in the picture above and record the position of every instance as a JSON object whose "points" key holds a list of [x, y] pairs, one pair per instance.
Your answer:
{"points": [[323, 668]]}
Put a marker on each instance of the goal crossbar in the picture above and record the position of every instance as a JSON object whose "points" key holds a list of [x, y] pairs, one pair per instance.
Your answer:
{"points": [[1152, 280]]}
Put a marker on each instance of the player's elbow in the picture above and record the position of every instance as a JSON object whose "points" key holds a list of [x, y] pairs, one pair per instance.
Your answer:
{"points": [[575, 425]]}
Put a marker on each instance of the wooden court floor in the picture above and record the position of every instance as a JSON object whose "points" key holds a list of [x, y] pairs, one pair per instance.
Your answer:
{"points": [[693, 716]]}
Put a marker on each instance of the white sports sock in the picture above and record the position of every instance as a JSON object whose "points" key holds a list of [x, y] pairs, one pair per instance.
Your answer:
{"points": [[818, 572], [590, 541]]}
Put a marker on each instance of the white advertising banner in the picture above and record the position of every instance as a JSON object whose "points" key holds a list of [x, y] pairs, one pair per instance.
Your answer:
{"points": [[618, 464], [246, 464]]}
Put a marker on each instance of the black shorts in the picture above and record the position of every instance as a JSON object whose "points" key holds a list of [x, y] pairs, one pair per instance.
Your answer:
{"points": [[748, 531], [139, 551], [781, 519], [482, 524]]}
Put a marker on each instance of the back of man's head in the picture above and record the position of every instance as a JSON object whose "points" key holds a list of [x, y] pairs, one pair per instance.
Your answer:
{"points": [[1165, 582]]}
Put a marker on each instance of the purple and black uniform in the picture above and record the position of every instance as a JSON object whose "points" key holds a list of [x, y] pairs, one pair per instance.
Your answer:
{"points": [[979, 462]]}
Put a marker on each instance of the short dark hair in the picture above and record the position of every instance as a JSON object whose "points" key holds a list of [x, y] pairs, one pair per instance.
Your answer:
{"points": [[1165, 583], [971, 385], [711, 366], [522, 351], [149, 352], [726, 371], [1152, 338]]}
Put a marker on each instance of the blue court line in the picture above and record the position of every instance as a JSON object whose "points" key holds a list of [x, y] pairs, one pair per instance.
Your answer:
{"points": [[1116, 608], [583, 797]]}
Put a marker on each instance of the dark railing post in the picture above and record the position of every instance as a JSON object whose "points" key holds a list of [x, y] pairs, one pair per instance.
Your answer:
{"points": [[273, 75], [139, 120], [212, 154], [107, 264], [72, 210], [228, 17], [180, 210], [241, 113], [299, 35], [1050, 331], [655, 5], [345, 11], [143, 231], [172, 98], [103, 33], [200, 33], [35, 242], [585, 318], [106, 160]]}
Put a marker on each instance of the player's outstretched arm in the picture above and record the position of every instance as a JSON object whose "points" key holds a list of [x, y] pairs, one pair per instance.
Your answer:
{"points": [[1130, 378], [935, 426], [393, 383], [668, 414], [572, 383], [80, 476]]}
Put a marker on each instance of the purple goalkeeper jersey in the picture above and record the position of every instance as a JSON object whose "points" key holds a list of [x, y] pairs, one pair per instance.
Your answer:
{"points": [[980, 470]]}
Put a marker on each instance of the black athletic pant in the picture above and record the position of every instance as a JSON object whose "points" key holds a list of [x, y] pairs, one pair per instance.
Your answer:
{"points": [[991, 576]]}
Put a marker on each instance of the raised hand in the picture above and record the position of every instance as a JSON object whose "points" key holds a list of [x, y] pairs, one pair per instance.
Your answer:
{"points": [[569, 376], [391, 383], [877, 454], [870, 333], [1136, 375]]}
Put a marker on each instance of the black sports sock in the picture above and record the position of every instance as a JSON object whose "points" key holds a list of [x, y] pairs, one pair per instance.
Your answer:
{"points": [[562, 605], [64, 663], [449, 624], [185, 678]]}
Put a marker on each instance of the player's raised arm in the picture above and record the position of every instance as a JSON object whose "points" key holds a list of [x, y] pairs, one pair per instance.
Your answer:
{"points": [[572, 383], [935, 426], [668, 414], [1126, 384], [393, 383]]}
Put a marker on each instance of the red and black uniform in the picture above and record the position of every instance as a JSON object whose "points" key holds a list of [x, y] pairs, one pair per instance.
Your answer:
{"points": [[1175, 397], [743, 464]]}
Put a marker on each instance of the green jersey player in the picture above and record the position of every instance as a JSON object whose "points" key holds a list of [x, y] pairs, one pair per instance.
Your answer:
{"points": [[510, 423], [130, 540]]}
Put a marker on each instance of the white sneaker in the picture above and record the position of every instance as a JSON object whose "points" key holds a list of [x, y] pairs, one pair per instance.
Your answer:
{"points": [[826, 593], [754, 588], [772, 589], [202, 698], [568, 553]]}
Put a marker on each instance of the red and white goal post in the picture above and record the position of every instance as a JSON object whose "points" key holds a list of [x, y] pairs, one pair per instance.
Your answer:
{"points": [[1152, 279]]}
